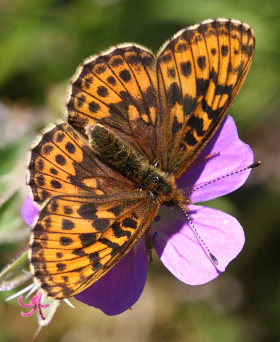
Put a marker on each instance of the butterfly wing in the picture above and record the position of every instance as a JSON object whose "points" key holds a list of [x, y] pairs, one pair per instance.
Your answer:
{"points": [[71, 252], [118, 89], [90, 216], [62, 162], [200, 71]]}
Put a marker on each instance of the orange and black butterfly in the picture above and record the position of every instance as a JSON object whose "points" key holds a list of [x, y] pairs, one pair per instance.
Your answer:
{"points": [[136, 122]]}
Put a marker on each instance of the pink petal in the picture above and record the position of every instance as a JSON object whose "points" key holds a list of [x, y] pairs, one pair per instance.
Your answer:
{"points": [[120, 288], [183, 255], [233, 155], [29, 211]]}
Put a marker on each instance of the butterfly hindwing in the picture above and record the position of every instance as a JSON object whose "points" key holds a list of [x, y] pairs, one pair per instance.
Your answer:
{"points": [[71, 249], [200, 71]]}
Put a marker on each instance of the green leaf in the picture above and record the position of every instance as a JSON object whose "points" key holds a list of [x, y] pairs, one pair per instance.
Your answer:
{"points": [[10, 221], [9, 155], [12, 276]]}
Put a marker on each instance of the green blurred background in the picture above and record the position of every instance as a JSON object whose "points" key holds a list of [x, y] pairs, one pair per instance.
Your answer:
{"points": [[41, 44]]}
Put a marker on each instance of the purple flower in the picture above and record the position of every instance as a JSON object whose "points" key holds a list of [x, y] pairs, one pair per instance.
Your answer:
{"points": [[184, 245]]}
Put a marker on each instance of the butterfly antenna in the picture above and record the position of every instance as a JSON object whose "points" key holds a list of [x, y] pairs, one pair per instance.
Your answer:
{"points": [[199, 238], [251, 166]]}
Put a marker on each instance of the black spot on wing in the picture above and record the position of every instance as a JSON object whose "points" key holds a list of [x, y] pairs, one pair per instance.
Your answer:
{"points": [[67, 224], [111, 80], [48, 222], [54, 206], [60, 266], [166, 58], [94, 107], [68, 210], [197, 124], [70, 147], [117, 62], [119, 232], [147, 61], [186, 68], [201, 61], [102, 91], [80, 252], [60, 137], [41, 164], [213, 51], [190, 104], [174, 94], [87, 211], [125, 75], [224, 89], [114, 246], [81, 99], [54, 171], [88, 81], [224, 50], [171, 73], [87, 239], [40, 180], [101, 224], [201, 86], [129, 223], [116, 210], [190, 139], [95, 260], [213, 114], [182, 47], [47, 149], [176, 126], [100, 69], [65, 241], [60, 159], [56, 184]]}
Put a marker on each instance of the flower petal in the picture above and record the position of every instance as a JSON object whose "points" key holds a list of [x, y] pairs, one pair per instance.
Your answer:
{"points": [[29, 211], [121, 287], [233, 155], [182, 253]]}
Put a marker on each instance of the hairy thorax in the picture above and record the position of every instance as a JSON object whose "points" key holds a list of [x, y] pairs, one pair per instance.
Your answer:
{"points": [[120, 156]]}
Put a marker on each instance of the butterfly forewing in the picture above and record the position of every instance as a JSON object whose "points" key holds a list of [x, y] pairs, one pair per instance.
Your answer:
{"points": [[200, 71], [118, 89], [63, 163]]}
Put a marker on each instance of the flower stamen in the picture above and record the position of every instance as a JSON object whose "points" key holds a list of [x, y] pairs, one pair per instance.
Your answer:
{"points": [[35, 303]]}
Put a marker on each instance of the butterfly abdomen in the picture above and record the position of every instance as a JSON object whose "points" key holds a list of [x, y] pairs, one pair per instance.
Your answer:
{"points": [[122, 157]]}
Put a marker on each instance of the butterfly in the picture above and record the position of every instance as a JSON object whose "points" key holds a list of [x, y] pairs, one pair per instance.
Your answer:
{"points": [[136, 122]]}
